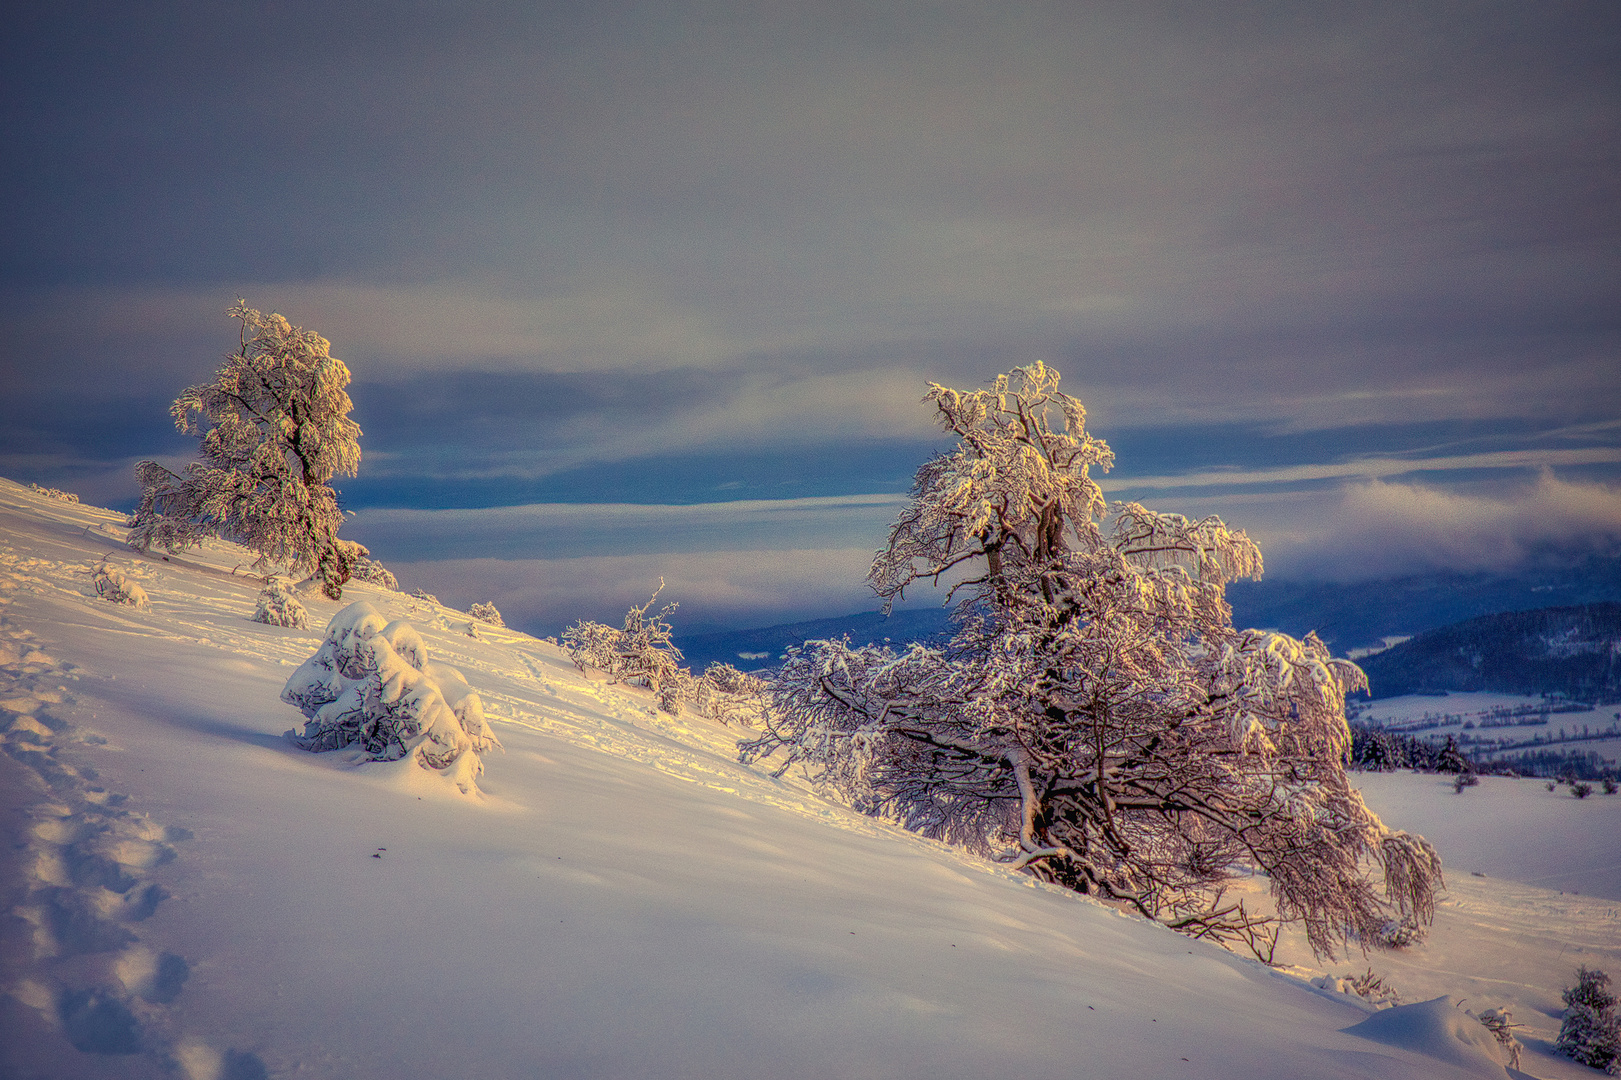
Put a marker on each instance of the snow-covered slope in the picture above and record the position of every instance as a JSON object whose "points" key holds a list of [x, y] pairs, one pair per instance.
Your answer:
{"points": [[191, 895]]}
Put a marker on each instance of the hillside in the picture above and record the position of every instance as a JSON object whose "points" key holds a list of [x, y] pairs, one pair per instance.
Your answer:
{"points": [[192, 896], [1355, 615], [1572, 651]]}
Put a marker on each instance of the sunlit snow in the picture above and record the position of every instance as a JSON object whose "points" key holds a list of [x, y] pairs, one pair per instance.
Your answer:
{"points": [[192, 895]]}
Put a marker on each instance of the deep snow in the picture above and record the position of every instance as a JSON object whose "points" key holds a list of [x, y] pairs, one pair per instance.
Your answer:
{"points": [[191, 895]]}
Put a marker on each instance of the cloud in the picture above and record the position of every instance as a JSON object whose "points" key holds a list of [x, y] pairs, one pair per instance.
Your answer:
{"points": [[1378, 529], [1374, 467], [578, 530]]}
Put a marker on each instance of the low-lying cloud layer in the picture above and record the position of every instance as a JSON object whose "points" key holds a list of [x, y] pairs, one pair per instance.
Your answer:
{"points": [[1379, 529], [735, 562]]}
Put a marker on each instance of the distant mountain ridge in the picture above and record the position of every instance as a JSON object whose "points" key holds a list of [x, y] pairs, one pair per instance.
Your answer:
{"points": [[1360, 614], [1574, 651], [1346, 616], [761, 647]]}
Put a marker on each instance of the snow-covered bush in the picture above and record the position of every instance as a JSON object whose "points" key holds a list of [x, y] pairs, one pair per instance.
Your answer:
{"points": [[1610, 786], [1368, 986], [641, 654], [114, 585], [644, 654], [1464, 780], [370, 685], [726, 694], [279, 607], [1591, 1032], [1580, 789], [1500, 1022], [1096, 718], [55, 493], [425, 596], [362, 567], [376, 573], [273, 428], [486, 613]]}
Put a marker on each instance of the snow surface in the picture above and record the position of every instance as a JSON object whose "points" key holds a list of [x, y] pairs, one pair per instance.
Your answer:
{"points": [[1415, 713], [191, 895]]}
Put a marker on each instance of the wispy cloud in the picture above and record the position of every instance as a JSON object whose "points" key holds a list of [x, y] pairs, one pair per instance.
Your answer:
{"points": [[1368, 467], [577, 530]]}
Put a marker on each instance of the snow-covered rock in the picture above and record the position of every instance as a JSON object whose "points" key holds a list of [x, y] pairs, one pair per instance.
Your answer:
{"points": [[370, 685]]}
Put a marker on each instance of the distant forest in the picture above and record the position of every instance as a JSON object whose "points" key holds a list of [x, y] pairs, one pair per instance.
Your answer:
{"points": [[1571, 651]]}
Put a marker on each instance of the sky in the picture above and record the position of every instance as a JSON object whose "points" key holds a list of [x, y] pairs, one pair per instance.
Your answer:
{"points": [[634, 292]]}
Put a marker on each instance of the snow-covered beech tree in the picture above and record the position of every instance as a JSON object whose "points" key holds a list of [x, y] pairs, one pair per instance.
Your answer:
{"points": [[728, 695], [370, 685], [274, 428], [1096, 717], [54, 493], [278, 606]]}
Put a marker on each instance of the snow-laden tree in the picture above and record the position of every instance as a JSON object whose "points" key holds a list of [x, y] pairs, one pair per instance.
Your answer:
{"points": [[1097, 718], [486, 613], [1591, 1030], [362, 567], [274, 428], [371, 686], [279, 606], [644, 654]]}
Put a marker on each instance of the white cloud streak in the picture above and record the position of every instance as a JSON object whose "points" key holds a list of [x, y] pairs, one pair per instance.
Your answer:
{"points": [[1372, 467], [577, 530]]}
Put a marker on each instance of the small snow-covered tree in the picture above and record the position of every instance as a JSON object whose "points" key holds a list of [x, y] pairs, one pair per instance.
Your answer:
{"points": [[1591, 1031], [641, 654], [371, 685], [274, 429], [1096, 718], [278, 606], [362, 567], [644, 654], [486, 613], [726, 694]]}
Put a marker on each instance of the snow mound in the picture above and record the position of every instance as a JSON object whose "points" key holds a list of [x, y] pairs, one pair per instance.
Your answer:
{"points": [[1440, 1029], [114, 585], [370, 685], [279, 607]]}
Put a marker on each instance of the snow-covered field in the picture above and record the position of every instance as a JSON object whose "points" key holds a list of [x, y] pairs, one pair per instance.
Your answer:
{"points": [[1501, 726], [189, 895]]}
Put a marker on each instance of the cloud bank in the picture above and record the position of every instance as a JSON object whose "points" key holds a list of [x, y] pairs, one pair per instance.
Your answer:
{"points": [[1379, 529]]}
